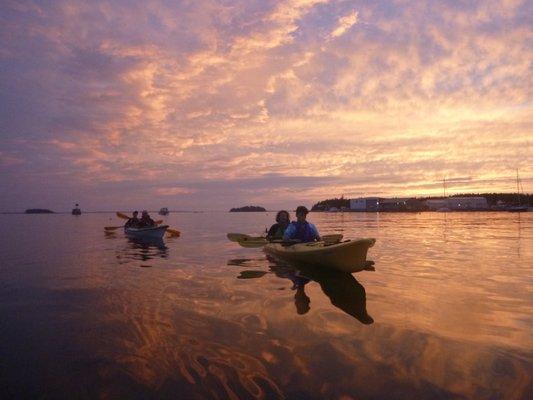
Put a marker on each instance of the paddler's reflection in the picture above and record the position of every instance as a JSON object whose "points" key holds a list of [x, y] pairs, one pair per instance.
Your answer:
{"points": [[343, 290], [301, 300]]}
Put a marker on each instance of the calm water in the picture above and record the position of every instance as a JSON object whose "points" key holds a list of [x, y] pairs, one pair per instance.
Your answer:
{"points": [[85, 315]]}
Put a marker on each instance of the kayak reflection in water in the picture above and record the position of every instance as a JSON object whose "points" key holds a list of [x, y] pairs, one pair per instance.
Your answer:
{"points": [[145, 249], [343, 290], [300, 229], [301, 299], [277, 230]]}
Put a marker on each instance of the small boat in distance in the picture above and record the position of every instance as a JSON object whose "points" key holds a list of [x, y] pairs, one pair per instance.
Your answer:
{"points": [[76, 210], [164, 211]]}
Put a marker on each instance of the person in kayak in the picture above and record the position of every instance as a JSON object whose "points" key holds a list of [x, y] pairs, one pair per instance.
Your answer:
{"points": [[134, 221], [278, 229], [301, 229], [146, 221]]}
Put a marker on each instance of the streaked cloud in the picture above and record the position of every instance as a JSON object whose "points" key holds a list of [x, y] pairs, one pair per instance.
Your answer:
{"points": [[213, 104], [345, 23]]}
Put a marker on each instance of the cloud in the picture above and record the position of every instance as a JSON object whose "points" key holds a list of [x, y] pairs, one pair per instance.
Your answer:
{"points": [[173, 191], [345, 23], [223, 94]]}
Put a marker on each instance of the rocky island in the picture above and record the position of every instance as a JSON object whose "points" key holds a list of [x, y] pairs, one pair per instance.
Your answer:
{"points": [[248, 209], [38, 211]]}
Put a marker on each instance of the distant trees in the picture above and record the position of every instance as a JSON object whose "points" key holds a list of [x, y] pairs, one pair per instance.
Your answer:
{"points": [[38, 211], [493, 198], [325, 205], [248, 209]]}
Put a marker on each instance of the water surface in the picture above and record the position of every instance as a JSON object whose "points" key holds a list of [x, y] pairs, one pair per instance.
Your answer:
{"points": [[447, 313]]}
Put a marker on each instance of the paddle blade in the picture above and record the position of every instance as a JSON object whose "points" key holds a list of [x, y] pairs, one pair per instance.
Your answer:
{"points": [[174, 232], [112, 228], [122, 215], [252, 243], [236, 237]]}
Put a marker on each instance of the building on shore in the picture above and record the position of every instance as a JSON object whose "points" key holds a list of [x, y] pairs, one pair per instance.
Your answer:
{"points": [[458, 204], [468, 203], [373, 204], [364, 204], [401, 204], [436, 204]]}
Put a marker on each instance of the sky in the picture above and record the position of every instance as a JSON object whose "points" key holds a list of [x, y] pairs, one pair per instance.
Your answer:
{"points": [[207, 105]]}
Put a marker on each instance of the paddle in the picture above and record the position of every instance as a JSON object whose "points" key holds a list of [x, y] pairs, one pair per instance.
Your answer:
{"points": [[257, 241], [121, 215], [238, 237], [173, 232], [252, 244], [112, 228]]}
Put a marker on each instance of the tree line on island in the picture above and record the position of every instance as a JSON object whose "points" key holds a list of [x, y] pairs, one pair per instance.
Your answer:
{"points": [[248, 209], [38, 211]]}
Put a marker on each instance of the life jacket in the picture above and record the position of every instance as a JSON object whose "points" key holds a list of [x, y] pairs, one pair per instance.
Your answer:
{"points": [[276, 231], [304, 232]]}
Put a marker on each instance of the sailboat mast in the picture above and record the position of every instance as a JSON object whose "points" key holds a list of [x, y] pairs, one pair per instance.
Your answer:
{"points": [[518, 187]]}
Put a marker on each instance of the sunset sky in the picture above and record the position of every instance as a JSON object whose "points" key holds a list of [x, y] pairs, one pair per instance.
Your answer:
{"points": [[207, 104]]}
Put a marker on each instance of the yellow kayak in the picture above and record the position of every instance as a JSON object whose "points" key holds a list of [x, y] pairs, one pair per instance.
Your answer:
{"points": [[348, 256]]}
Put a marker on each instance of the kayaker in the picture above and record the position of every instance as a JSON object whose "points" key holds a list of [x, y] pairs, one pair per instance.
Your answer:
{"points": [[146, 220], [301, 229], [134, 221], [278, 229]]}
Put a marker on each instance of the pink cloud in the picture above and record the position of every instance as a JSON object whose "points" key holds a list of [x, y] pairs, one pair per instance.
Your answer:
{"points": [[203, 92]]}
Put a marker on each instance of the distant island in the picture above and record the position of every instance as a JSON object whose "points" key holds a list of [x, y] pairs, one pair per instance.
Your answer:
{"points": [[38, 211], [248, 209]]}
